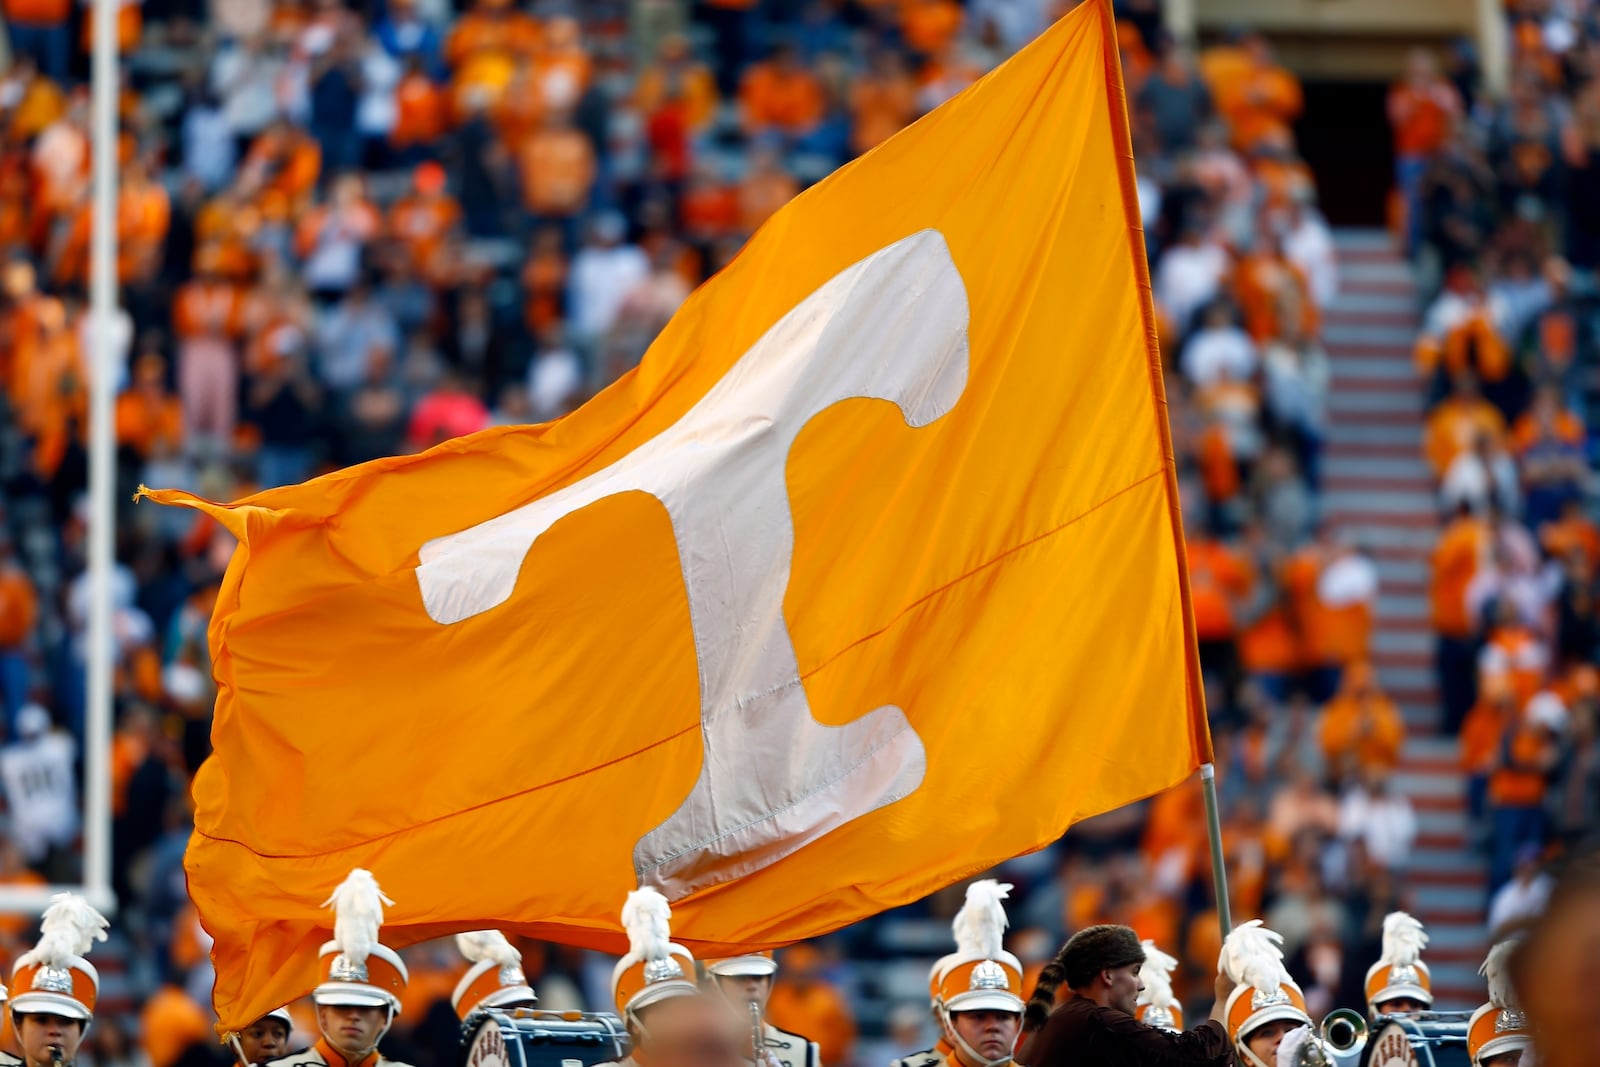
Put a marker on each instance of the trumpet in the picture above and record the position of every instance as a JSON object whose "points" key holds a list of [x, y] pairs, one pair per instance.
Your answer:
{"points": [[760, 1047], [1339, 1041]]}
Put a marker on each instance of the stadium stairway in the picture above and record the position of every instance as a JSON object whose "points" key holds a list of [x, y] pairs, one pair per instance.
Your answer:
{"points": [[1380, 493]]}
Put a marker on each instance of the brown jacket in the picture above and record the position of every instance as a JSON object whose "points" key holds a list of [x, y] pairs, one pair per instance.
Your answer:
{"points": [[1080, 1033]]}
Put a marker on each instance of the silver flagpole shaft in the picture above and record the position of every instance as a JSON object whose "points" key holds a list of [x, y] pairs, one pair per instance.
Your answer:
{"points": [[1219, 868], [102, 456]]}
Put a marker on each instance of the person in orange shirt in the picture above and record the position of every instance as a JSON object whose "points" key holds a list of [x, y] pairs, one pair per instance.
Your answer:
{"points": [[1361, 729], [806, 1003], [283, 159], [767, 186], [1548, 441], [1530, 753], [1273, 292], [170, 1025], [1481, 733], [484, 50], [1463, 551], [677, 72], [19, 610], [1256, 95], [144, 211], [929, 25], [38, 100], [424, 217], [149, 418], [780, 99], [557, 168], [1456, 423], [561, 67], [1572, 532], [1515, 652], [1423, 110], [48, 389], [422, 114], [1219, 582], [882, 101]]}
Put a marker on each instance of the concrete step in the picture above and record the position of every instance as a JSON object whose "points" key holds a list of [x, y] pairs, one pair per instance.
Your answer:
{"points": [[1396, 338], [1349, 365], [1397, 402], [1380, 536], [1363, 303], [1348, 466], [1396, 502], [1415, 785], [1404, 437], [1395, 606], [1431, 748], [1362, 272]]}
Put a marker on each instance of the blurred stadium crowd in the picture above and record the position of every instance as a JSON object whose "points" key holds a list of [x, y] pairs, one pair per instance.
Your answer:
{"points": [[354, 229]]}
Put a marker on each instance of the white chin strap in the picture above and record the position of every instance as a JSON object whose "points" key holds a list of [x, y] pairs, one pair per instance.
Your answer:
{"points": [[972, 1056]]}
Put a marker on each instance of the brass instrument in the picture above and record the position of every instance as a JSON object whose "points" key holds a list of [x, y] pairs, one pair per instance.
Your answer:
{"points": [[1345, 1031], [1338, 1042], [759, 1045]]}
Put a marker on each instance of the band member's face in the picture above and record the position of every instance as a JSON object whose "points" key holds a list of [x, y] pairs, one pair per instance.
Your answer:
{"points": [[264, 1040], [1264, 1041], [1401, 1006], [353, 1031], [993, 1034], [1125, 988], [747, 987], [692, 1031], [39, 1034]]}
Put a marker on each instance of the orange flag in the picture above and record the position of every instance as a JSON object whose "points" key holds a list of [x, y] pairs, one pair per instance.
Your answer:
{"points": [[867, 579]]}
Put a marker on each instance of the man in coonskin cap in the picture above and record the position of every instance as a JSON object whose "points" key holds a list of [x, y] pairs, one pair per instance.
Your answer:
{"points": [[1098, 1022]]}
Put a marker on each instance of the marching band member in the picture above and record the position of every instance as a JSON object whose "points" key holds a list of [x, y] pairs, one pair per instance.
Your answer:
{"points": [[264, 1040], [941, 1048], [495, 979], [1100, 966], [362, 980], [1265, 1004], [57, 987], [1157, 1005], [980, 989], [654, 973], [1497, 1034], [1399, 983], [746, 982]]}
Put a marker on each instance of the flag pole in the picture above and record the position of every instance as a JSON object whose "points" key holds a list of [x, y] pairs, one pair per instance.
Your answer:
{"points": [[102, 456], [1219, 869]]}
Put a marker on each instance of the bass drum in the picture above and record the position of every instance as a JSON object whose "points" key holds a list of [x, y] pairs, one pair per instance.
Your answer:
{"points": [[1429, 1039], [533, 1038]]}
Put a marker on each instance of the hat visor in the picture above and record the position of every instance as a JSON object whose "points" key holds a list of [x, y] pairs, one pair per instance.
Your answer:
{"points": [[985, 1000], [516, 996], [659, 991], [49, 1004], [1285, 1012], [1402, 992], [1504, 1043], [745, 967], [350, 995]]}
